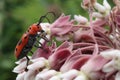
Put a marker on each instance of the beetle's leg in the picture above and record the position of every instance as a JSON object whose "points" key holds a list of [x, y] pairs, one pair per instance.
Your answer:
{"points": [[43, 36], [31, 52], [45, 17], [38, 46], [27, 62], [35, 45], [39, 43]]}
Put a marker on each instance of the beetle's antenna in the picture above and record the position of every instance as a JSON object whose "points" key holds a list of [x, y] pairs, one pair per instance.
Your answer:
{"points": [[45, 17]]}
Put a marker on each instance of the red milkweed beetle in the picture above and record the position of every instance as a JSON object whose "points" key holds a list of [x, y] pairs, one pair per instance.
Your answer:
{"points": [[29, 38]]}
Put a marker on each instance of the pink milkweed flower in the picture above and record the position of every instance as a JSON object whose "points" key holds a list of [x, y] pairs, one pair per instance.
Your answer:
{"points": [[20, 76], [116, 15], [113, 65], [46, 75], [21, 65], [45, 52], [60, 55], [30, 75], [80, 19], [104, 9], [81, 76], [63, 26], [37, 64], [95, 64], [83, 36], [74, 61], [84, 51], [86, 4], [69, 75], [115, 24]]}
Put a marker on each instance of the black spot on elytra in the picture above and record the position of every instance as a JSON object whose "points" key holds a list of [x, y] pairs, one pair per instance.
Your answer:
{"points": [[16, 49], [25, 37], [19, 42]]}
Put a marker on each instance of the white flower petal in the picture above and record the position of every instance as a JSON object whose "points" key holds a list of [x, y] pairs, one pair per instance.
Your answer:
{"points": [[63, 38], [81, 76], [22, 60], [20, 76], [43, 40], [117, 63], [55, 78], [46, 75], [80, 19], [70, 74], [30, 75], [106, 5], [97, 15], [108, 67], [66, 79], [38, 59], [37, 65], [110, 54], [99, 7], [45, 27], [20, 68], [117, 77], [113, 55]]}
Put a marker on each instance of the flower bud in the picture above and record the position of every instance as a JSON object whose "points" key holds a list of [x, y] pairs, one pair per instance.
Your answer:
{"points": [[46, 27], [99, 7], [21, 76], [108, 67], [55, 78], [80, 19], [30, 75], [46, 75], [110, 54], [81, 76], [106, 5], [97, 15], [70, 74], [37, 65], [38, 59], [20, 68], [117, 77]]}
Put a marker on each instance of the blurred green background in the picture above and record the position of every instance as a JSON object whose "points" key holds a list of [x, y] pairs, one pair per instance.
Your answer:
{"points": [[17, 15]]}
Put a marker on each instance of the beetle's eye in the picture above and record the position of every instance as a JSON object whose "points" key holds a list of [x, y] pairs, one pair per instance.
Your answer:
{"points": [[38, 27]]}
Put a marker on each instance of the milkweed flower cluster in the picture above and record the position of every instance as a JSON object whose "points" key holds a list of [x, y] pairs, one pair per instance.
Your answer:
{"points": [[89, 49]]}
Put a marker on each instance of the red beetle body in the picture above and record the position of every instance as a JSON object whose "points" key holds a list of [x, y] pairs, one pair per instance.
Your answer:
{"points": [[20, 45], [27, 41], [29, 38]]}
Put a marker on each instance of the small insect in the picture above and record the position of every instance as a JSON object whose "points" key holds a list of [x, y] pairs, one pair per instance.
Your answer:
{"points": [[29, 39]]}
